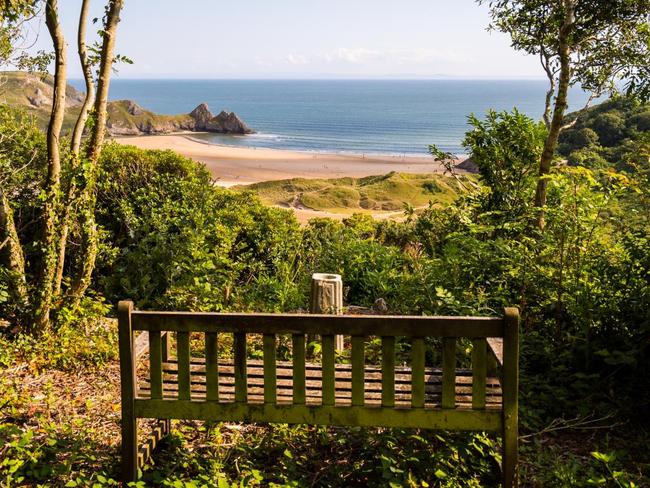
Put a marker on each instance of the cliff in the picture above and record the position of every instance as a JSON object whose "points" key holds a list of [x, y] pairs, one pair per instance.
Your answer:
{"points": [[33, 93]]}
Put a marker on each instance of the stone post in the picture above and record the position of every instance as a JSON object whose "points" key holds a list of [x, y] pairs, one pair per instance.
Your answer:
{"points": [[327, 297]]}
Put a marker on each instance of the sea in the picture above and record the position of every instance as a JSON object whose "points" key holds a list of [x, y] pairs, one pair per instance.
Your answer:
{"points": [[397, 117]]}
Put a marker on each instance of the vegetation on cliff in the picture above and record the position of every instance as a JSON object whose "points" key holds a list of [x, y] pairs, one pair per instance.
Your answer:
{"points": [[613, 133]]}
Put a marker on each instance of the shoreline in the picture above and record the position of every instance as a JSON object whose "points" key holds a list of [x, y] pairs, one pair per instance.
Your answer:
{"points": [[189, 135], [232, 165]]}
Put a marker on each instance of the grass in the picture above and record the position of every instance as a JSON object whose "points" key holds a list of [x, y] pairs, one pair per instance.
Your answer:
{"points": [[389, 192]]}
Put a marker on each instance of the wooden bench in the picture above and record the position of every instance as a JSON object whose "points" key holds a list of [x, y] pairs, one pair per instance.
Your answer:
{"points": [[202, 386]]}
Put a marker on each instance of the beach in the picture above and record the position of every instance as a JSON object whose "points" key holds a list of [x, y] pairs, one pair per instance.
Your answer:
{"points": [[240, 166]]}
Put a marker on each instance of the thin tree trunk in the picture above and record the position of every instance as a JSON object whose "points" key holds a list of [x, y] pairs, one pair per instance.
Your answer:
{"points": [[48, 246], [75, 143], [88, 225], [559, 109], [11, 254]]}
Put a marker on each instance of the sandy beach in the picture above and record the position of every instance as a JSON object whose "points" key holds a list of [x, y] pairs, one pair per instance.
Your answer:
{"points": [[239, 166]]}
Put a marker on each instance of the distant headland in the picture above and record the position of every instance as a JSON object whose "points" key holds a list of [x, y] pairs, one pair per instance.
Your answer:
{"points": [[33, 93]]}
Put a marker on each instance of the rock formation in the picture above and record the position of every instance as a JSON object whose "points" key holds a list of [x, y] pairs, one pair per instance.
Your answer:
{"points": [[225, 122], [468, 165], [127, 118]]}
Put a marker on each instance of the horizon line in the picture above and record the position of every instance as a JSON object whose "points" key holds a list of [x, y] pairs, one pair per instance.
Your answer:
{"points": [[243, 78]]}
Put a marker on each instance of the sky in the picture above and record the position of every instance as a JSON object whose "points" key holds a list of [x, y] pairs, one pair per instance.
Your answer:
{"points": [[263, 39]]}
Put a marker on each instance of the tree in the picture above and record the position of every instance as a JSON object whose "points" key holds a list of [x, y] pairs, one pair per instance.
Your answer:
{"points": [[57, 204], [88, 198], [594, 43], [505, 147]]}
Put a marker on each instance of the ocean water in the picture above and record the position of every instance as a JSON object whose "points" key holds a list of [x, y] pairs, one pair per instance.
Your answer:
{"points": [[359, 116]]}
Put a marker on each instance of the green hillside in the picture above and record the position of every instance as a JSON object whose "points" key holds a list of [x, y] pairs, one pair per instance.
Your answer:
{"points": [[384, 192], [33, 92], [615, 132]]}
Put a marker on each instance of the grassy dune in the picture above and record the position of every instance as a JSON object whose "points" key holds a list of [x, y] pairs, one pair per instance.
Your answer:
{"points": [[387, 192]]}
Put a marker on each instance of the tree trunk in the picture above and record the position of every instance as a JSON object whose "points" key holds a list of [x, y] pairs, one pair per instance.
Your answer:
{"points": [[11, 254], [75, 143], [48, 246], [87, 200], [560, 107]]}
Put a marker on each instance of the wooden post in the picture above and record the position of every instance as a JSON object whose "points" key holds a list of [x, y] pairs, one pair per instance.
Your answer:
{"points": [[510, 389], [327, 297], [128, 382]]}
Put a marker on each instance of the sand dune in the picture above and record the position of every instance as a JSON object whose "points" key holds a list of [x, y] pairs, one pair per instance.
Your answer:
{"points": [[237, 165]]}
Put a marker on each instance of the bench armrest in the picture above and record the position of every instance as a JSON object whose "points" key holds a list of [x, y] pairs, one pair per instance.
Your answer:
{"points": [[495, 347]]}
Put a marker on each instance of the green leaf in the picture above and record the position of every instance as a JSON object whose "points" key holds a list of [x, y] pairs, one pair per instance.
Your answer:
{"points": [[602, 457]]}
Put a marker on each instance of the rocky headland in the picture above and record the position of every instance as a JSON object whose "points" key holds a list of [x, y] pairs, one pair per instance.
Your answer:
{"points": [[127, 118], [33, 93]]}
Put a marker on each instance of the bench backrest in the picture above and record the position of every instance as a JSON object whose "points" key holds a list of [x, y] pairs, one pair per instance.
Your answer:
{"points": [[415, 328]]}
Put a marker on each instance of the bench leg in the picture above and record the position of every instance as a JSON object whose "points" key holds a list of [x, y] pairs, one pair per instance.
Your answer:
{"points": [[129, 448], [510, 454]]}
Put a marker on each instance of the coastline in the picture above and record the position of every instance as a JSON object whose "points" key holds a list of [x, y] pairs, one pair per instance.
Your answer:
{"points": [[231, 165]]}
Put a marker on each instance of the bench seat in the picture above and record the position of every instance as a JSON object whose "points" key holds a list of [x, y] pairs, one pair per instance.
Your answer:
{"points": [[343, 384]]}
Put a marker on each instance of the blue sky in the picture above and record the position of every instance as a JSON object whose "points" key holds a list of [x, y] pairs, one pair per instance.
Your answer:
{"points": [[307, 39]]}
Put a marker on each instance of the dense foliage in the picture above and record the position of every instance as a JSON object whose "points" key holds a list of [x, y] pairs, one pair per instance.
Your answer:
{"points": [[615, 132], [170, 239]]}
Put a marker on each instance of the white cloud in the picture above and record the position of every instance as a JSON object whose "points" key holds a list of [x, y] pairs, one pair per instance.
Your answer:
{"points": [[412, 56], [353, 55], [296, 59]]}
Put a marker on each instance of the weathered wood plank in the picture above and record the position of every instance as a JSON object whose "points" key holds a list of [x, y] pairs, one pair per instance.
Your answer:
{"points": [[298, 368], [496, 348], [448, 372], [129, 425], [358, 364], [479, 373], [160, 430], [155, 364], [212, 366], [166, 345], [241, 382], [388, 371], [361, 325], [183, 353], [328, 356], [270, 378], [227, 394], [417, 372], [510, 397], [484, 420]]}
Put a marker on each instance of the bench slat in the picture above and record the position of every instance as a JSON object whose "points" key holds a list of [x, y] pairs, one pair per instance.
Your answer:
{"points": [[388, 371], [358, 364], [298, 371], [484, 420], [448, 372], [211, 367], [183, 354], [270, 378], [361, 325], [417, 373], [479, 373], [155, 364], [327, 352], [241, 391]]}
